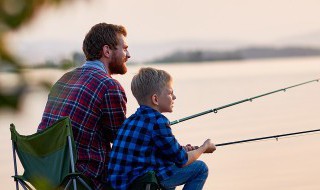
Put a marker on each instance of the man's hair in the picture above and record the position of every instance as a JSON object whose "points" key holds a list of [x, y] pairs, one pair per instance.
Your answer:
{"points": [[147, 82], [99, 35]]}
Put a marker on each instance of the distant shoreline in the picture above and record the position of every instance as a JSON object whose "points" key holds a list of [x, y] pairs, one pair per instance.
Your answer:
{"points": [[191, 56], [238, 54]]}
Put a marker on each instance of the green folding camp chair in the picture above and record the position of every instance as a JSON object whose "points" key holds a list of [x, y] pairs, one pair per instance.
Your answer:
{"points": [[47, 158], [147, 181]]}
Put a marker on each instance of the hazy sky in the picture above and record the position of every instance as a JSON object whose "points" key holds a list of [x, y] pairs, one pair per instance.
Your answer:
{"points": [[150, 21]]}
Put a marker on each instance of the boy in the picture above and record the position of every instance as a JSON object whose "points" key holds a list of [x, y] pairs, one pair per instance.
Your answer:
{"points": [[145, 141]]}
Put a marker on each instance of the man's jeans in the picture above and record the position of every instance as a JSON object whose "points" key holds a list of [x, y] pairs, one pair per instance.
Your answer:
{"points": [[193, 176]]}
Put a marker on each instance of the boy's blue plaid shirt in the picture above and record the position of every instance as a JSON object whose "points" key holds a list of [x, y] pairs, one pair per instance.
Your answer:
{"points": [[144, 142]]}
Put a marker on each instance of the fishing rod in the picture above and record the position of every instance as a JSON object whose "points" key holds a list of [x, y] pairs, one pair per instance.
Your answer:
{"points": [[215, 110], [268, 137]]}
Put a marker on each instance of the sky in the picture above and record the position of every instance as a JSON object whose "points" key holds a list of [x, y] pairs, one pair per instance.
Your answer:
{"points": [[157, 27]]}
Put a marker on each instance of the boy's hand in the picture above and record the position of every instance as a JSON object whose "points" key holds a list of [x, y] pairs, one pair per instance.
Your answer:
{"points": [[210, 147], [189, 147]]}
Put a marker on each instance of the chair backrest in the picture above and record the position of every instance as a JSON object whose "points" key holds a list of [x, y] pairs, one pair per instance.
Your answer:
{"points": [[45, 155]]}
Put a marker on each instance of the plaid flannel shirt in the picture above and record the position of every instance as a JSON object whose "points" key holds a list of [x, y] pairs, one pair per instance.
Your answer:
{"points": [[96, 105], [145, 142]]}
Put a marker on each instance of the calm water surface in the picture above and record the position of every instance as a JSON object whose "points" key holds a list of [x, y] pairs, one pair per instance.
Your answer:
{"points": [[286, 164]]}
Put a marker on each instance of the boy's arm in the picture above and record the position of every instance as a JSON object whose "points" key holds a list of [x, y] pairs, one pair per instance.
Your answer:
{"points": [[207, 147], [167, 145]]}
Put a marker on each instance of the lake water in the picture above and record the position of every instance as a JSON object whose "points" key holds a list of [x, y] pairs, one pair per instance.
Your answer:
{"points": [[286, 164]]}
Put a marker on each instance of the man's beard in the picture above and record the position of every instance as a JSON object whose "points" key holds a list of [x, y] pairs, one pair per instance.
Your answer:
{"points": [[117, 66]]}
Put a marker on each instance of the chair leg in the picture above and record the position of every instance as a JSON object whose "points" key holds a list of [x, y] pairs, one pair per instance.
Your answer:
{"points": [[72, 162], [74, 184], [26, 185], [15, 163], [84, 183], [17, 185], [80, 180], [68, 184], [23, 185]]}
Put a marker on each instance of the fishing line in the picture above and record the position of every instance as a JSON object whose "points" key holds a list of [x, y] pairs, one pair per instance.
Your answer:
{"points": [[215, 110]]}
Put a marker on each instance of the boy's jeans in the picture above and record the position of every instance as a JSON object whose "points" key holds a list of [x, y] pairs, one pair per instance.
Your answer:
{"points": [[193, 176]]}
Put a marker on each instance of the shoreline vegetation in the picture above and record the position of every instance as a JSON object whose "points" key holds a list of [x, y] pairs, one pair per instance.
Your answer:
{"points": [[238, 54], [191, 56]]}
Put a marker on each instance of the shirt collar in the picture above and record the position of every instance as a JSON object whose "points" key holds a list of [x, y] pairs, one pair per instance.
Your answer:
{"points": [[147, 109], [95, 64], [144, 107]]}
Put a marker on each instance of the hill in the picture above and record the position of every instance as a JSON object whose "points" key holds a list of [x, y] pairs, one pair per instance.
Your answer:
{"points": [[238, 54]]}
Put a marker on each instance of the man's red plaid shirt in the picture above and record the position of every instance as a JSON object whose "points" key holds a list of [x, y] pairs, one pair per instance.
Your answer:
{"points": [[96, 105]]}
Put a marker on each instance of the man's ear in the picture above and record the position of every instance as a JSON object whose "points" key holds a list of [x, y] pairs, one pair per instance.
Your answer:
{"points": [[106, 51], [154, 99]]}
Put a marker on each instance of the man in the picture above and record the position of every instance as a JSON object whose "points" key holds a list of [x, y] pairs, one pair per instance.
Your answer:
{"points": [[94, 101]]}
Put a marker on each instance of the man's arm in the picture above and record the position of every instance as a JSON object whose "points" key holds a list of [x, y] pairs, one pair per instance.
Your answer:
{"points": [[114, 111]]}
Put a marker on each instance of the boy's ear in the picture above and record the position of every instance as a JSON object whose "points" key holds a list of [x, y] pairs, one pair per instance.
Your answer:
{"points": [[154, 99]]}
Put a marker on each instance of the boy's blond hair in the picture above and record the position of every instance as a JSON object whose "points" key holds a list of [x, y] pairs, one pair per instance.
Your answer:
{"points": [[147, 82]]}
